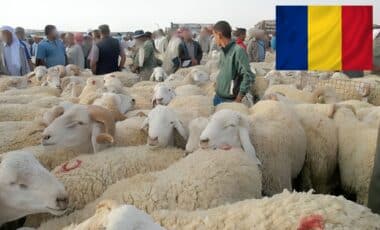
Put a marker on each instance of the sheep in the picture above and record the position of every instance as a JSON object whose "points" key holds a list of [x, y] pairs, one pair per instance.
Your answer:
{"points": [[46, 102], [52, 80], [339, 75], [282, 211], [202, 180], [193, 105], [162, 94], [72, 70], [11, 82], [128, 79], [28, 188], [371, 116], [196, 127], [298, 96], [129, 133], [261, 84], [280, 143], [238, 107], [228, 129], [112, 216], [85, 128], [142, 92], [118, 104], [322, 148], [92, 90], [112, 84], [355, 159], [19, 99], [356, 104], [39, 72], [188, 90], [51, 114], [158, 74], [19, 112], [19, 134], [35, 90], [58, 69], [86, 177]]}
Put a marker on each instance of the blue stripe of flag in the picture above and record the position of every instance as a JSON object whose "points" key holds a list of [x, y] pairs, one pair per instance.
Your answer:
{"points": [[291, 38]]}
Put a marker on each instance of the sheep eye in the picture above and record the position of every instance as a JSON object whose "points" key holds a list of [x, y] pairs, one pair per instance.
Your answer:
{"points": [[23, 186], [80, 123], [12, 183], [172, 122]]}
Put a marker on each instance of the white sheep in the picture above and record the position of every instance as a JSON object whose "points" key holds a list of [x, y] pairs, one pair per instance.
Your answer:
{"points": [[187, 90], [27, 188], [202, 180], [238, 107], [158, 74], [72, 70], [129, 133], [92, 90], [19, 134], [35, 90], [128, 79], [13, 82], [84, 128], [112, 216], [355, 159], [282, 211], [196, 128], [112, 84], [118, 104], [322, 147], [162, 94], [228, 129], [280, 143], [86, 177], [20, 112], [142, 92]]}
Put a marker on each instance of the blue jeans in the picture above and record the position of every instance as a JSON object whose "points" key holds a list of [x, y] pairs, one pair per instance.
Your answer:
{"points": [[218, 100]]}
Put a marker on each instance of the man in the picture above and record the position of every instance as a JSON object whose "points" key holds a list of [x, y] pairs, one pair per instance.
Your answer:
{"points": [[190, 52], [256, 45], [2, 66], [86, 48], [51, 51], [145, 60], [74, 51], [37, 39], [20, 33], [204, 40], [235, 75], [273, 42], [106, 52], [171, 60], [95, 36], [14, 53], [161, 41], [240, 35], [376, 52]]}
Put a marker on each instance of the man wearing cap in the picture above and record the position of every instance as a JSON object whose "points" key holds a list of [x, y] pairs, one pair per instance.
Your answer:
{"points": [[145, 60], [14, 58], [235, 75], [190, 52], [20, 33], [106, 52]]}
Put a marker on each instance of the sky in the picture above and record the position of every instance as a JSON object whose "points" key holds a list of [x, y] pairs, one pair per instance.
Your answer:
{"points": [[130, 15]]}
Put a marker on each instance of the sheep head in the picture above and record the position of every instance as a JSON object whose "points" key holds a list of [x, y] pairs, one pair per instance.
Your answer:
{"points": [[26, 187], [112, 84], [81, 128], [196, 127], [158, 74], [227, 129], [161, 124], [72, 70], [162, 94]]}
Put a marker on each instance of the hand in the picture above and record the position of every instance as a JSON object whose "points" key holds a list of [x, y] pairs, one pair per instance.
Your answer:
{"points": [[194, 61], [239, 98]]}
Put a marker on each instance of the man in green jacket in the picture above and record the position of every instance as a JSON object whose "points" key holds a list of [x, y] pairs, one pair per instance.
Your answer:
{"points": [[235, 75]]}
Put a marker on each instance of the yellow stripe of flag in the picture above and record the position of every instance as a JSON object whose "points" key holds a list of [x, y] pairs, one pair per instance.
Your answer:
{"points": [[325, 37]]}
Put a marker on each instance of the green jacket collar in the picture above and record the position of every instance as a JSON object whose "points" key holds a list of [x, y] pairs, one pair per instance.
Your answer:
{"points": [[228, 46]]}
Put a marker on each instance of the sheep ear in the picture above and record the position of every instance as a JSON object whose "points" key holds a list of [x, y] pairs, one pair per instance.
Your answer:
{"points": [[145, 125], [180, 129], [103, 138], [152, 76], [245, 141]]}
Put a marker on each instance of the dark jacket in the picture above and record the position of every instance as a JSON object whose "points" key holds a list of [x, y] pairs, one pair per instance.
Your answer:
{"points": [[184, 53], [109, 51]]}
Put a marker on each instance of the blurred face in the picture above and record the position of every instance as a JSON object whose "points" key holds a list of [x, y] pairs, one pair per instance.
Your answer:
{"points": [[6, 36], [243, 36], [218, 38], [186, 35], [70, 39], [53, 34]]}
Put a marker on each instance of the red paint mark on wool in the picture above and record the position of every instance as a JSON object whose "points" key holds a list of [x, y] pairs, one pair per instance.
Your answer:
{"points": [[312, 222], [67, 167]]}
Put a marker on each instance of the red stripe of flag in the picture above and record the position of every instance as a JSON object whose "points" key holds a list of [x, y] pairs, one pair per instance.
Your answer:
{"points": [[357, 37]]}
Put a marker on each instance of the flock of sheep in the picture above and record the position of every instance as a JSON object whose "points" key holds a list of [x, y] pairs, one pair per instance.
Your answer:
{"points": [[113, 152]]}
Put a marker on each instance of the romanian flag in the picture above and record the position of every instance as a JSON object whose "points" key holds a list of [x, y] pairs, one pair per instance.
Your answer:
{"points": [[324, 38]]}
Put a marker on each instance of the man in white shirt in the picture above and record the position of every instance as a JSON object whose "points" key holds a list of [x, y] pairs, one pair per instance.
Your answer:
{"points": [[74, 51]]}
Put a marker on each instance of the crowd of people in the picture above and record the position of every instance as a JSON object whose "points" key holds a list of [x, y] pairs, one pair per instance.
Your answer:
{"points": [[99, 51]]}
